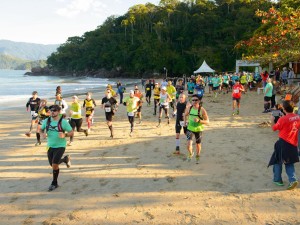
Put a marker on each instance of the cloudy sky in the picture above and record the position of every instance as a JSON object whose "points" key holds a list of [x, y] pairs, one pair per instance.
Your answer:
{"points": [[53, 21]]}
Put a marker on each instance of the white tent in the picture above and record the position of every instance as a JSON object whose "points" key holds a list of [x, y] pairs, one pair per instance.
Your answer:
{"points": [[204, 68]]}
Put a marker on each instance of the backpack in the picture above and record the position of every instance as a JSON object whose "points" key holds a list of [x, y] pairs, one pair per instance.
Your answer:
{"points": [[59, 127], [199, 109]]}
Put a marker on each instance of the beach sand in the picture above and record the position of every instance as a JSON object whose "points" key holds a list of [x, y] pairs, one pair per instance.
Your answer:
{"points": [[137, 180]]}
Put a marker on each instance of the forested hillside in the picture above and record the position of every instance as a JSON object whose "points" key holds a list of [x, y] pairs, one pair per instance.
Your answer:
{"points": [[177, 35]]}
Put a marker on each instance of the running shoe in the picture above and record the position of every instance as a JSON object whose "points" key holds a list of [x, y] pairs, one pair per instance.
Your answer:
{"points": [[67, 160], [189, 157], [158, 125], [168, 121], [292, 185], [38, 143], [52, 187], [237, 112], [86, 133], [28, 134], [177, 152], [197, 159], [278, 183], [70, 143], [233, 113], [130, 134]]}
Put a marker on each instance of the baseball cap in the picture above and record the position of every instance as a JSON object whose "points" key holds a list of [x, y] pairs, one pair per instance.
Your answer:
{"points": [[164, 88], [131, 92], [55, 107], [75, 96]]}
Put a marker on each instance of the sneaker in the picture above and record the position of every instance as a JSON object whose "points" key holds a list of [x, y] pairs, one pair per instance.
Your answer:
{"points": [[189, 157], [168, 121], [38, 143], [265, 111], [237, 112], [86, 133], [28, 134], [130, 134], [292, 185], [158, 125], [197, 159], [177, 152], [70, 143], [278, 183], [67, 160], [52, 187], [233, 113]]}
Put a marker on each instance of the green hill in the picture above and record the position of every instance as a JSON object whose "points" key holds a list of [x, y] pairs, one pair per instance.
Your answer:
{"points": [[11, 62]]}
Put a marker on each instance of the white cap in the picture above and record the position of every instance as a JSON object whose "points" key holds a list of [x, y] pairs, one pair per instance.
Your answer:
{"points": [[164, 88], [131, 92], [75, 96]]}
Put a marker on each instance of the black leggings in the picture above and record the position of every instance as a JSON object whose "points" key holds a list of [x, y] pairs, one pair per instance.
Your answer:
{"points": [[131, 121]]}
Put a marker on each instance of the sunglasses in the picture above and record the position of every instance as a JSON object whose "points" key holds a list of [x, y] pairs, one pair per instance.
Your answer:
{"points": [[195, 100]]}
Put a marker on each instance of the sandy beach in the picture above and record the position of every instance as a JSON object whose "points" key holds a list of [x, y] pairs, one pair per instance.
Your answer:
{"points": [[137, 180]]}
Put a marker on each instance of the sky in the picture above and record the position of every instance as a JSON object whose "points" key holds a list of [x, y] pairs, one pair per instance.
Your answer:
{"points": [[53, 21]]}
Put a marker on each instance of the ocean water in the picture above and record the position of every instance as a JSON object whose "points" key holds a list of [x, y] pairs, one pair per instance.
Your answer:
{"points": [[16, 88]]}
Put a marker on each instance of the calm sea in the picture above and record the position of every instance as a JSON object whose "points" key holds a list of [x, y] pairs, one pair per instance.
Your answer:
{"points": [[16, 87]]}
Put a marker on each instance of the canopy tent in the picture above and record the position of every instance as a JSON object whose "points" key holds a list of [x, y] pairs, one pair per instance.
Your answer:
{"points": [[204, 68]]}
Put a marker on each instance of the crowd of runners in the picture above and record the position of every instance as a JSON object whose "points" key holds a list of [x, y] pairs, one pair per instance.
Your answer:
{"points": [[179, 98]]}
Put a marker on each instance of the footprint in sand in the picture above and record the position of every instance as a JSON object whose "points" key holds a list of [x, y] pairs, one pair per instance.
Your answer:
{"points": [[103, 182], [170, 179], [149, 216]]}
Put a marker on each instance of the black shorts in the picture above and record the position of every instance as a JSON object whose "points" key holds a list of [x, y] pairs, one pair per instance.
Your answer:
{"points": [[109, 116], [238, 100], [148, 95], [55, 155], [190, 92], [190, 134], [178, 127], [216, 88], [267, 99], [139, 109], [210, 85], [225, 85]]}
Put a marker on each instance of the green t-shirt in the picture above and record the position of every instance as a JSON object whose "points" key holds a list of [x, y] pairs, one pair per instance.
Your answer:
{"points": [[131, 105], [76, 108], [268, 90], [53, 140], [192, 125], [216, 81]]}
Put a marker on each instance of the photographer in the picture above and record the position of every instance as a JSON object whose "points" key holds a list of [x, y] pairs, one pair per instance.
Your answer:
{"points": [[285, 149]]}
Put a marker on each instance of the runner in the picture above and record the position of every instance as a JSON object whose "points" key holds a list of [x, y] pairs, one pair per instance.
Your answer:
{"points": [[76, 118], [54, 128], [109, 104], [199, 88], [34, 103], [197, 117], [190, 87], [131, 104], [179, 88], [171, 90], [89, 104], [225, 83], [216, 84], [156, 92], [139, 95], [62, 104], [237, 90], [243, 81], [121, 90], [43, 113], [164, 105], [148, 92], [268, 90], [180, 109]]}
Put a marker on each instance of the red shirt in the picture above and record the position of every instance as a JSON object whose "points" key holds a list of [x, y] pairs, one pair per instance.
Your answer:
{"points": [[288, 127], [237, 91]]}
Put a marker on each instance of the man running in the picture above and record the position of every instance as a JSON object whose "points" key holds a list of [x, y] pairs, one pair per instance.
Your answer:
{"points": [[156, 92], [237, 90], [109, 104], [43, 113], [180, 109], [76, 118], [164, 105], [171, 90], [148, 92], [34, 103], [197, 117], [89, 104], [62, 103], [139, 95], [268, 91], [131, 104], [54, 128]]}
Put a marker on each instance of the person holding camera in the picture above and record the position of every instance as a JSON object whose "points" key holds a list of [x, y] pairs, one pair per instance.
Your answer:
{"points": [[197, 117], [285, 149]]}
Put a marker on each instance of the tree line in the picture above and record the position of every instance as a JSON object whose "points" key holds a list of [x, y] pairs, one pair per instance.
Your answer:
{"points": [[177, 35]]}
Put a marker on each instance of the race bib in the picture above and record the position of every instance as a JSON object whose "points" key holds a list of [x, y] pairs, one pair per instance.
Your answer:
{"points": [[33, 114], [107, 109], [181, 123], [236, 91], [130, 113]]}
